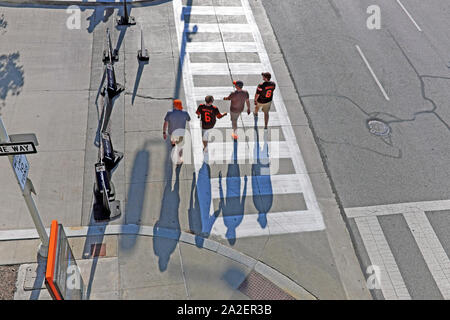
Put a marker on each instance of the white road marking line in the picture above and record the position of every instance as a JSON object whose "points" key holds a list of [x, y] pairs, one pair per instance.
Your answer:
{"points": [[391, 280], [373, 73], [188, 85], [219, 92], [224, 151], [222, 68], [432, 251], [277, 223], [224, 27], [248, 120], [397, 208], [219, 47], [209, 10], [409, 15], [267, 185]]}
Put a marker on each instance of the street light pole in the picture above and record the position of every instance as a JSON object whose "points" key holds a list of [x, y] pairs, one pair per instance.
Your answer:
{"points": [[26, 192]]}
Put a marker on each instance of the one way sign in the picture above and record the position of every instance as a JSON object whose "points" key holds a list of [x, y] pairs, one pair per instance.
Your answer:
{"points": [[7, 149]]}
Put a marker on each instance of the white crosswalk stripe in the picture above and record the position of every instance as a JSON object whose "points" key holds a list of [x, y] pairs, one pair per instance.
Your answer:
{"points": [[230, 47], [248, 121], [221, 27], [390, 278], [224, 151], [277, 223], [431, 249], [295, 183], [210, 10], [217, 92], [224, 69], [279, 184]]}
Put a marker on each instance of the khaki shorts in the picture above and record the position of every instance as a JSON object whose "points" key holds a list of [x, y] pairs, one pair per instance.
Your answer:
{"points": [[264, 106], [234, 116]]}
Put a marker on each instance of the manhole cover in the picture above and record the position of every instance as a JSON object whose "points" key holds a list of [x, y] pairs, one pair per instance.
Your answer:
{"points": [[378, 127]]}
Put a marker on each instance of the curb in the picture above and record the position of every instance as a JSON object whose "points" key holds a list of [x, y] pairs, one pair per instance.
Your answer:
{"points": [[89, 3], [276, 277]]}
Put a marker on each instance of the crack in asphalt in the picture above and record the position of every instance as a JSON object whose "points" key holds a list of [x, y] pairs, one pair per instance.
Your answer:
{"points": [[377, 114], [149, 97], [422, 88]]}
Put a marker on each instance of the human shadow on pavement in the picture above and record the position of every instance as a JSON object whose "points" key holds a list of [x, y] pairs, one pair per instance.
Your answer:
{"points": [[11, 76], [166, 231], [261, 181], [99, 14], [136, 195], [200, 219], [233, 204]]}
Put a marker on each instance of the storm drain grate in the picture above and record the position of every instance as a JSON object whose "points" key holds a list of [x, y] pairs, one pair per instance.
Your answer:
{"points": [[258, 287], [98, 250]]}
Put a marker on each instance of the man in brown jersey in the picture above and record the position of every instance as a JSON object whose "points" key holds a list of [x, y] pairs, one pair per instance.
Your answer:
{"points": [[263, 96], [208, 114]]}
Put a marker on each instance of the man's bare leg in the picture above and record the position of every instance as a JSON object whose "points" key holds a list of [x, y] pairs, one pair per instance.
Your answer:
{"points": [[266, 119]]}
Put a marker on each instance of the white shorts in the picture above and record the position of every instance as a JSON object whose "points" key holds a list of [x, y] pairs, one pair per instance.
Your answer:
{"points": [[205, 134], [176, 139]]}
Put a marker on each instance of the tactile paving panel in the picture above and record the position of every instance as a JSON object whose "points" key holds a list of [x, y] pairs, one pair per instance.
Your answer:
{"points": [[258, 287]]}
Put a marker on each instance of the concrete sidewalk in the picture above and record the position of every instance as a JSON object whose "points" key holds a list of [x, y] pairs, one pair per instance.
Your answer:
{"points": [[57, 74], [199, 268], [80, 2]]}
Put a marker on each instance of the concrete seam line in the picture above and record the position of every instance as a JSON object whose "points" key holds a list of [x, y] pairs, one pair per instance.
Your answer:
{"points": [[76, 2], [127, 229]]}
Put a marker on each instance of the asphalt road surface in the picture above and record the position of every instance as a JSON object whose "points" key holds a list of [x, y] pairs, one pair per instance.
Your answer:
{"points": [[392, 182]]}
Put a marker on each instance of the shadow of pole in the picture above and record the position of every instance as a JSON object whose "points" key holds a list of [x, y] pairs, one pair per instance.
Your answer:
{"points": [[40, 277], [138, 79]]}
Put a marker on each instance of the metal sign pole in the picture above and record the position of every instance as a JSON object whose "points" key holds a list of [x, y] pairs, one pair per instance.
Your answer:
{"points": [[26, 192]]}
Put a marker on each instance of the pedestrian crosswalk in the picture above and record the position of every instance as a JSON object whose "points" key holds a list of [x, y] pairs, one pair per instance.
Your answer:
{"points": [[229, 47], [392, 283], [224, 68], [256, 151]]}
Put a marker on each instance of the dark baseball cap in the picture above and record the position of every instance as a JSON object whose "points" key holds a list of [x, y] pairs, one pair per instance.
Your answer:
{"points": [[238, 83]]}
